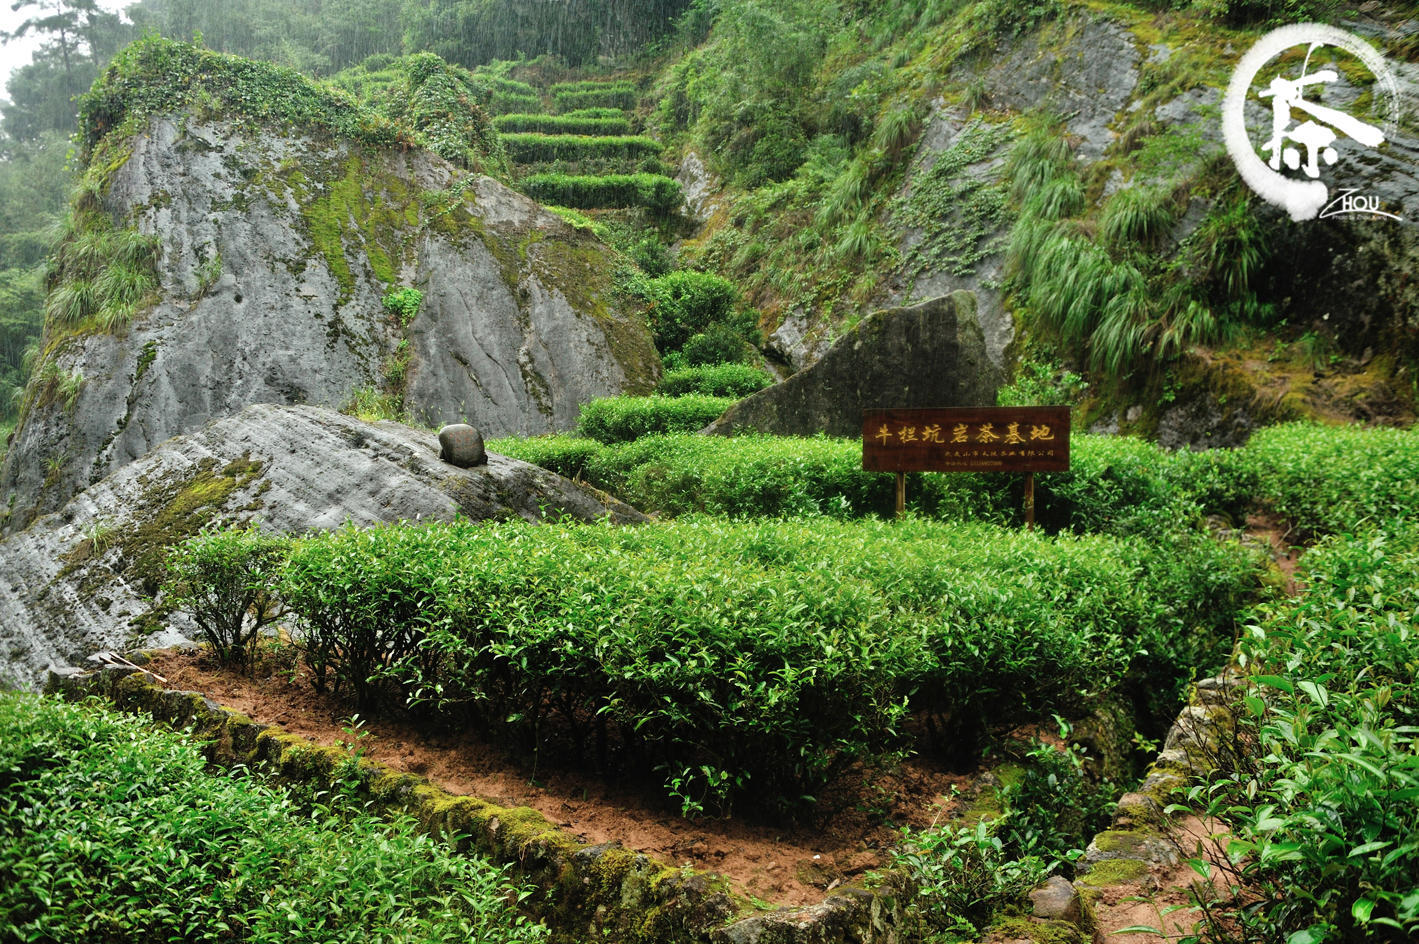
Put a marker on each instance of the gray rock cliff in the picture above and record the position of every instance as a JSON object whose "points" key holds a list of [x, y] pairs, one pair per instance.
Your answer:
{"points": [[929, 355], [276, 252], [84, 578]]}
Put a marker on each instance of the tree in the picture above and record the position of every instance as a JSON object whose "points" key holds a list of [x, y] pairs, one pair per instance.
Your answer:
{"points": [[78, 38]]}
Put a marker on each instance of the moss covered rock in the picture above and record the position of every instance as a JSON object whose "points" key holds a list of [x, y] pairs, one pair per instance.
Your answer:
{"points": [[278, 226]]}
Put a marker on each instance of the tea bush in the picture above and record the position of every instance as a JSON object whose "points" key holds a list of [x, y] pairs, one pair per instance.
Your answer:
{"points": [[115, 832], [366, 604], [655, 192], [686, 303], [1320, 800], [623, 419], [716, 380], [227, 581], [962, 876]]}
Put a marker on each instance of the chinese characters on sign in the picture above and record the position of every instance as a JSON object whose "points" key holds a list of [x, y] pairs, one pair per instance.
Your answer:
{"points": [[967, 439]]}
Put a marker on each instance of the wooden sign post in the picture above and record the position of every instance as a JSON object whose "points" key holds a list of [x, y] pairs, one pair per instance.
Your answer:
{"points": [[1025, 439]]}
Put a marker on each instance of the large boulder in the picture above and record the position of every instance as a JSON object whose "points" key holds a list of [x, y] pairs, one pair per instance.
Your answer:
{"points": [[928, 355], [84, 578], [277, 250]]}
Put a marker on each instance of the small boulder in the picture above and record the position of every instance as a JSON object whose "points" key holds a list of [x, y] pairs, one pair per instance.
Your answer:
{"points": [[462, 445], [1056, 900]]}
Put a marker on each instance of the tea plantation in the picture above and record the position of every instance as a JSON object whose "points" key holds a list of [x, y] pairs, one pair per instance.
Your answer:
{"points": [[772, 632]]}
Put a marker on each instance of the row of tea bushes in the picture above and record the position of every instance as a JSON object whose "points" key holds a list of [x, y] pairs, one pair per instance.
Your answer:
{"points": [[1318, 479], [1114, 485], [576, 96], [749, 659], [592, 121], [527, 147], [654, 192], [1326, 480], [625, 419], [713, 380], [116, 832]]}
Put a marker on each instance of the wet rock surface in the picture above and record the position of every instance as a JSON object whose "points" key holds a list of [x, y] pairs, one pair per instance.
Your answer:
{"points": [[928, 355]]}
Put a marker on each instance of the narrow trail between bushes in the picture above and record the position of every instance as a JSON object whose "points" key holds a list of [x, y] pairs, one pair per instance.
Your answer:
{"points": [[782, 864], [1163, 899]]}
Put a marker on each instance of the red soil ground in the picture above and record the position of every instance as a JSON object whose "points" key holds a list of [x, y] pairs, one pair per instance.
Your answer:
{"points": [[780, 863]]}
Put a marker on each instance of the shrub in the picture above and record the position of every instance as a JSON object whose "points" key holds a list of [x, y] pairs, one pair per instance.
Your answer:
{"points": [[1054, 810], [1041, 383], [716, 380], [403, 304], [117, 832], [1319, 797], [961, 877], [651, 256], [717, 344], [686, 303], [623, 419], [654, 192], [365, 601], [226, 581], [593, 124]]}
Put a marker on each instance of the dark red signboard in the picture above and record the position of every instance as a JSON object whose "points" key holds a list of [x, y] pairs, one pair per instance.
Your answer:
{"points": [[967, 439]]}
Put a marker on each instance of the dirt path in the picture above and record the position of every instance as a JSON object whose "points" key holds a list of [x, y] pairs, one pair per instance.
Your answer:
{"points": [[783, 864]]}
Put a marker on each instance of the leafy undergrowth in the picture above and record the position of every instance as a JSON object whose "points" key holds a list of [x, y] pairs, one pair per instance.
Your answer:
{"points": [[1319, 786], [115, 832]]}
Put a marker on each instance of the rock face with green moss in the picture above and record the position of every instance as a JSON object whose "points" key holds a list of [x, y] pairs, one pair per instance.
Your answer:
{"points": [[276, 242], [1065, 162], [931, 354], [85, 578]]}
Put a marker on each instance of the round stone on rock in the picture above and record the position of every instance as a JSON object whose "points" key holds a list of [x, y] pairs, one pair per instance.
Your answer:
{"points": [[462, 445]]}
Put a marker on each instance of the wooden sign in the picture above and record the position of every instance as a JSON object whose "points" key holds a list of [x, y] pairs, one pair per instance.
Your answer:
{"points": [[967, 439], [1025, 439]]}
